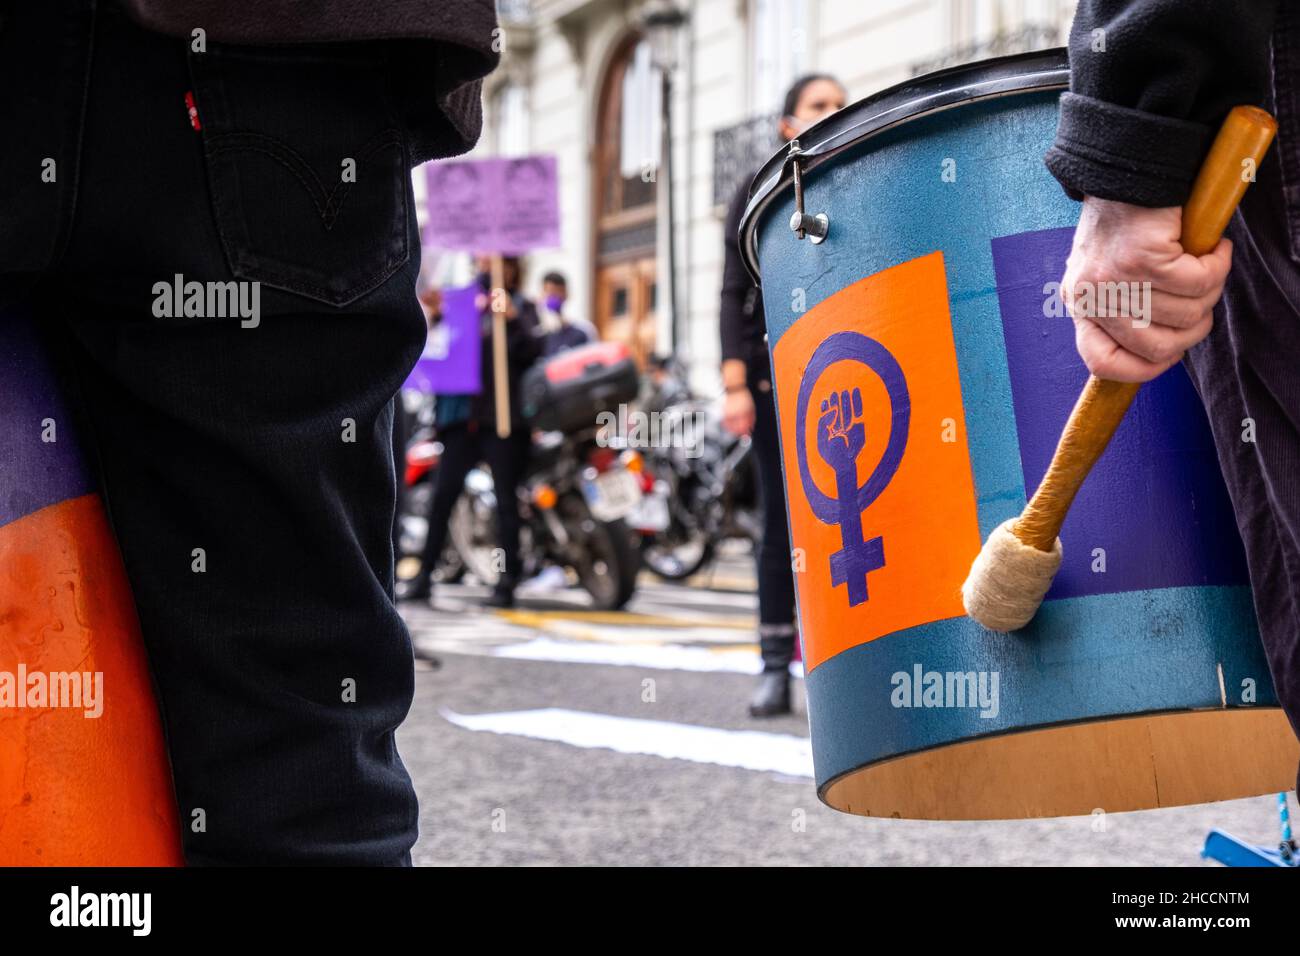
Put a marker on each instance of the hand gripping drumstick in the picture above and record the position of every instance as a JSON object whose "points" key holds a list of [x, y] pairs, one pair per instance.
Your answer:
{"points": [[1012, 573]]}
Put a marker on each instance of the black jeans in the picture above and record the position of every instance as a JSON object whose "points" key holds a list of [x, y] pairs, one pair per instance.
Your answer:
{"points": [[463, 447], [775, 578], [246, 461]]}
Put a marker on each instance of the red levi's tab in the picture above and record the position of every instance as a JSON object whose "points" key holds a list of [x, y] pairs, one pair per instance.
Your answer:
{"points": [[192, 110]]}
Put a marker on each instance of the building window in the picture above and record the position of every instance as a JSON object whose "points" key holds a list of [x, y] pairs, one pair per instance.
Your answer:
{"points": [[778, 38], [979, 29], [640, 128], [981, 22], [511, 131], [625, 228], [629, 132], [988, 19]]}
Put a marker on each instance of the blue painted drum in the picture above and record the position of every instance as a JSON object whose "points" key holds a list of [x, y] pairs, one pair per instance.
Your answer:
{"points": [[924, 344]]}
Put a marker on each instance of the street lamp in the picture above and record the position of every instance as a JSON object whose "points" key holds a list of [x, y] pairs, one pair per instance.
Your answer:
{"points": [[663, 23]]}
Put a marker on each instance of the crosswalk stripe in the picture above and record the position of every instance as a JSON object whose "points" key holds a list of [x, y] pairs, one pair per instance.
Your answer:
{"points": [[747, 749], [623, 619], [740, 659]]}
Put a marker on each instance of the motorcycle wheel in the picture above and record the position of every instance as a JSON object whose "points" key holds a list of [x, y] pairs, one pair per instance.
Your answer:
{"points": [[606, 562], [472, 532], [684, 547], [678, 553]]}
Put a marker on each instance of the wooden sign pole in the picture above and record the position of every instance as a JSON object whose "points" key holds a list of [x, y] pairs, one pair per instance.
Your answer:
{"points": [[500, 365]]}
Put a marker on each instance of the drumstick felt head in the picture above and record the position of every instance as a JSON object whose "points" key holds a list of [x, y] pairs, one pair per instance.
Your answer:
{"points": [[1008, 580]]}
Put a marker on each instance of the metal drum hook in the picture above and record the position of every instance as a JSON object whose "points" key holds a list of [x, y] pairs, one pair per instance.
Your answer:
{"points": [[814, 227]]}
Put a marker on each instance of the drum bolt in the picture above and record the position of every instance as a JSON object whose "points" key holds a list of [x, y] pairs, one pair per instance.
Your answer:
{"points": [[814, 227]]}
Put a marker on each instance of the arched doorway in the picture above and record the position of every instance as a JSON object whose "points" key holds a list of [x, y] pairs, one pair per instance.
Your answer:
{"points": [[625, 162]]}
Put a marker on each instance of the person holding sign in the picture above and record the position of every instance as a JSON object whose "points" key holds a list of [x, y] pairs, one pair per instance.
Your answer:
{"points": [[466, 426]]}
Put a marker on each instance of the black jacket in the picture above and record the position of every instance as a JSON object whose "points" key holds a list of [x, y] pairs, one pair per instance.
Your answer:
{"points": [[523, 346], [441, 49], [1141, 114], [741, 319]]}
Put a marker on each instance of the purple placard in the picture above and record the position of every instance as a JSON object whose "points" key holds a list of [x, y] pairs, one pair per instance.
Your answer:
{"points": [[449, 364], [1155, 501], [509, 206]]}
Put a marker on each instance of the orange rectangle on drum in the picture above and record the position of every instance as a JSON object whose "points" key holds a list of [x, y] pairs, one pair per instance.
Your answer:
{"points": [[878, 475]]}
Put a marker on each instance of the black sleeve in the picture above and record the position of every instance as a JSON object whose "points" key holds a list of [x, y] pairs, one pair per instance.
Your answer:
{"points": [[523, 343], [1141, 113], [736, 283]]}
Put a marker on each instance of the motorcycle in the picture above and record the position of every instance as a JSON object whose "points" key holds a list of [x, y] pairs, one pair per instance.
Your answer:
{"points": [[584, 498], [574, 503], [711, 486]]}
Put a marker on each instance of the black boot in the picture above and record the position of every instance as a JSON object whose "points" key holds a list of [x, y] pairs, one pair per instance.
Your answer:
{"points": [[772, 695], [503, 595], [419, 588]]}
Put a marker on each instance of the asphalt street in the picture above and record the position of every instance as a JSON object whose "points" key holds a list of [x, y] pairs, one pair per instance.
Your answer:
{"points": [[551, 734]]}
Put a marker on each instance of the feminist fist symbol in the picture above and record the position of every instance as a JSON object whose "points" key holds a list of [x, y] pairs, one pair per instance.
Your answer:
{"points": [[840, 437], [840, 432]]}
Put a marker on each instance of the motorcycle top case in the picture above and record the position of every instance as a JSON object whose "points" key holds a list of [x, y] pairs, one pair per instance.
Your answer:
{"points": [[566, 392]]}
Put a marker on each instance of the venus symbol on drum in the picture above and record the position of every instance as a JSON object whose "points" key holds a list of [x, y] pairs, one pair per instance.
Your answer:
{"points": [[841, 436]]}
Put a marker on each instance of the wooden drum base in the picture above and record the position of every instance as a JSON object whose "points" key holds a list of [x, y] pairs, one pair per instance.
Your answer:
{"points": [[1135, 763]]}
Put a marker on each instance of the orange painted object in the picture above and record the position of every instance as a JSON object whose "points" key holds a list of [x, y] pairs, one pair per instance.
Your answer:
{"points": [[78, 790], [932, 496]]}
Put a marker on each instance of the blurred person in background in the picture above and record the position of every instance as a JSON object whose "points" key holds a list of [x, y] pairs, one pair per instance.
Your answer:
{"points": [[750, 409], [560, 331], [430, 297], [466, 427]]}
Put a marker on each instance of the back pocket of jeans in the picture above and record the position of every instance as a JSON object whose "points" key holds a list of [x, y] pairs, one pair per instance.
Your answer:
{"points": [[307, 167]]}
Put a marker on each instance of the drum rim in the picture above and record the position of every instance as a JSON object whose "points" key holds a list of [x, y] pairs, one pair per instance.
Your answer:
{"points": [[891, 108]]}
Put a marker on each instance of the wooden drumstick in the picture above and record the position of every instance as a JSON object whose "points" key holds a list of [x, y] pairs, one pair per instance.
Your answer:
{"points": [[1011, 575]]}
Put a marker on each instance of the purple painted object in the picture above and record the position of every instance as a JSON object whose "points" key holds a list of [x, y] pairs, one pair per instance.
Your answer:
{"points": [[1155, 502], [452, 355], [505, 205], [34, 473]]}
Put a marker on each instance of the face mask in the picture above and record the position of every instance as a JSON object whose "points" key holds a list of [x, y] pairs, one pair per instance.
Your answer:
{"points": [[554, 303]]}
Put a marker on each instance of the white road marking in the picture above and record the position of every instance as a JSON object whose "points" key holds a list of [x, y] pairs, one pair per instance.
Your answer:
{"points": [[581, 630], [747, 749], [669, 657], [657, 656]]}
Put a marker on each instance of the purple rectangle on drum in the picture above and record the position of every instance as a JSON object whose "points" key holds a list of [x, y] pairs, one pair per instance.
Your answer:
{"points": [[40, 464], [1154, 511]]}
